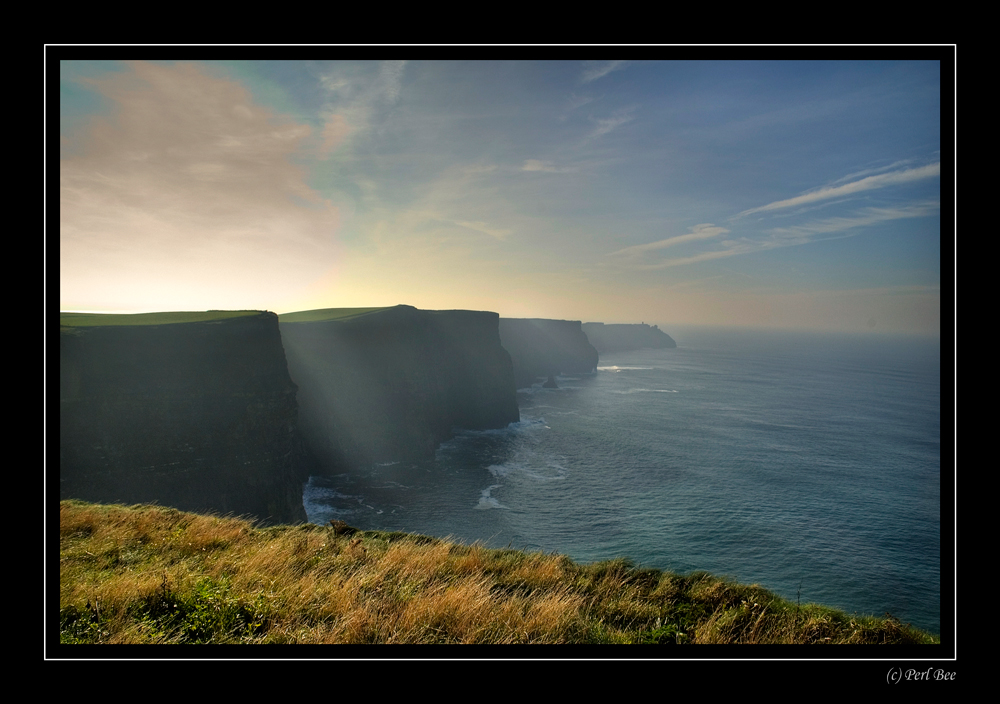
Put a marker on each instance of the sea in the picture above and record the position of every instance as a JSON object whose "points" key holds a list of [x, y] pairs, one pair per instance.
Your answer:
{"points": [[808, 463]]}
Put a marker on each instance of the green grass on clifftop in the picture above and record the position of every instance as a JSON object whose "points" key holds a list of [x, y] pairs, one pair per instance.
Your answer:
{"points": [[145, 574], [77, 320], [321, 314]]}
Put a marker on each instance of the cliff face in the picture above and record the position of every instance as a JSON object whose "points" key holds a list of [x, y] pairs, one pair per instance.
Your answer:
{"points": [[621, 338], [391, 384], [199, 415], [542, 348]]}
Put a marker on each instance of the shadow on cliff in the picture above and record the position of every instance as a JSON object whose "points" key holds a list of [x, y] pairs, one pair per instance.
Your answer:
{"points": [[392, 384], [541, 349], [200, 416]]}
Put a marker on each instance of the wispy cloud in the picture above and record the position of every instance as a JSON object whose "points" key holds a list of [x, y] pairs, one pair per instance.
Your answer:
{"points": [[483, 227], [740, 248], [354, 101], [876, 170], [607, 124], [391, 79], [576, 102], [829, 228], [801, 234], [865, 184], [597, 70], [538, 165], [698, 232]]}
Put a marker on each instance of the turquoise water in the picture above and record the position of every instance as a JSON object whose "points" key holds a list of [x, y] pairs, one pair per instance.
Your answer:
{"points": [[806, 463]]}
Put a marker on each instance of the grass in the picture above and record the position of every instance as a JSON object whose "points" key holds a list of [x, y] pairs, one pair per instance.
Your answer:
{"points": [[78, 320], [147, 574], [321, 314]]}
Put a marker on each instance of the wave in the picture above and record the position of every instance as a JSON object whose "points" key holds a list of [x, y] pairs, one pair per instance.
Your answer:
{"points": [[511, 429], [536, 389], [317, 501], [486, 501], [538, 475], [616, 368], [651, 391]]}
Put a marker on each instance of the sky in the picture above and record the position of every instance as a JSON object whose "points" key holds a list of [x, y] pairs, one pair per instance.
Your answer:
{"points": [[777, 194]]}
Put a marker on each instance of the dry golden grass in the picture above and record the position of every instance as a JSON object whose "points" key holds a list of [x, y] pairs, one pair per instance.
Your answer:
{"points": [[145, 574]]}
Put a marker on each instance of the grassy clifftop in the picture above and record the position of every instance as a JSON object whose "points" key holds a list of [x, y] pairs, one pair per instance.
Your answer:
{"points": [[81, 320], [324, 314], [144, 574]]}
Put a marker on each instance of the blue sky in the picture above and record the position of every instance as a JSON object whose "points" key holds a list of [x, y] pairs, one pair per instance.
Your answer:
{"points": [[759, 193]]}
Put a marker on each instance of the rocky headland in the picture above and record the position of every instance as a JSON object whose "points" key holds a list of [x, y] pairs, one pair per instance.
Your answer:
{"points": [[625, 337]]}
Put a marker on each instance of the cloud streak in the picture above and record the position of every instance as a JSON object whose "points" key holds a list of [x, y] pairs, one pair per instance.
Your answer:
{"points": [[538, 165], [480, 226], [608, 124], [865, 184], [601, 70], [807, 233], [829, 228], [698, 232]]}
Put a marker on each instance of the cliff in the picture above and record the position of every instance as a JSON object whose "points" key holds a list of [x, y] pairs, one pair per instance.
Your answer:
{"points": [[391, 384], [542, 348], [621, 338], [191, 410]]}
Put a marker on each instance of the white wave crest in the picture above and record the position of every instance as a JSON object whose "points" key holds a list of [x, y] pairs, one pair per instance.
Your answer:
{"points": [[615, 368], [650, 391], [486, 501]]}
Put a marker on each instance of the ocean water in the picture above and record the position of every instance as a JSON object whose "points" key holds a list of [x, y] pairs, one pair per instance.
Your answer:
{"points": [[807, 463]]}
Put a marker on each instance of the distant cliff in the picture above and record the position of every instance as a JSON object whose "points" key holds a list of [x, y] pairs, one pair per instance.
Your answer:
{"points": [[391, 384], [621, 338], [195, 411], [541, 348]]}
